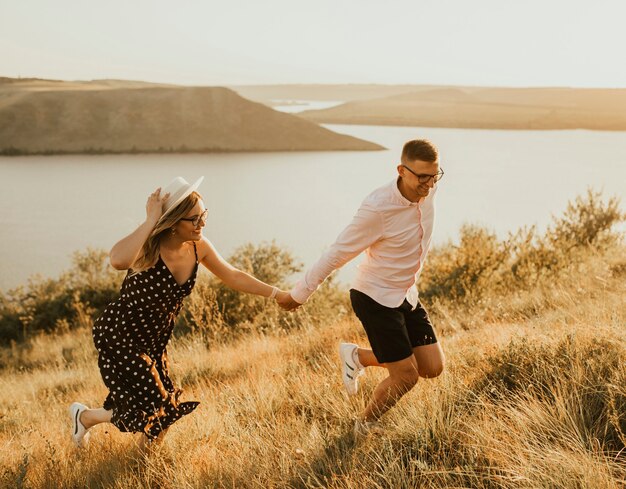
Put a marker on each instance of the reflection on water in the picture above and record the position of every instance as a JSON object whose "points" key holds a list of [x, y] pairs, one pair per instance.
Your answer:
{"points": [[51, 206]]}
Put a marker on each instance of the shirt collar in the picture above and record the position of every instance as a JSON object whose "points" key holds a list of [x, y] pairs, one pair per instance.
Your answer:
{"points": [[401, 199]]}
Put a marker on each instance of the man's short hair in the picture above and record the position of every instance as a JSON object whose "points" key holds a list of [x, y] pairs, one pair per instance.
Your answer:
{"points": [[419, 149]]}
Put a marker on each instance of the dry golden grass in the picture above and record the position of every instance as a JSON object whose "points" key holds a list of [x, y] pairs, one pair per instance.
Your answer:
{"points": [[534, 395]]}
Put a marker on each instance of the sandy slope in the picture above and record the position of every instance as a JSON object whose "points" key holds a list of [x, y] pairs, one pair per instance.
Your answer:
{"points": [[489, 108], [267, 93], [43, 116]]}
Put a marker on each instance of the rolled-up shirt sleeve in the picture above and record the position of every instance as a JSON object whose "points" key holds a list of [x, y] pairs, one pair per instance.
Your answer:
{"points": [[364, 230]]}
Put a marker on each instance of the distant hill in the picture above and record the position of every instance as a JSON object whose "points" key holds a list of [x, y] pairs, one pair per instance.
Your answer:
{"points": [[486, 108], [112, 116], [267, 93], [45, 84]]}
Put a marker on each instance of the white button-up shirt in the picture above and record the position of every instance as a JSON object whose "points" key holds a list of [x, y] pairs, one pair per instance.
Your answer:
{"points": [[395, 234]]}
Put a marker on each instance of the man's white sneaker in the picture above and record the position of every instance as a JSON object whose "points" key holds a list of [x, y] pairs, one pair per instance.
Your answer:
{"points": [[350, 371], [365, 428], [80, 434]]}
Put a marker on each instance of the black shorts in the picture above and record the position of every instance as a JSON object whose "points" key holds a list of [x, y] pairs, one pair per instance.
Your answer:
{"points": [[393, 332]]}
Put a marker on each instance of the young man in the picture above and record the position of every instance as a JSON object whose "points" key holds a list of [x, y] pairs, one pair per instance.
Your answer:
{"points": [[394, 227]]}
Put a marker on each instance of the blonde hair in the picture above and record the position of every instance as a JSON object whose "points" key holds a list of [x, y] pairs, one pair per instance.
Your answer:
{"points": [[150, 250]]}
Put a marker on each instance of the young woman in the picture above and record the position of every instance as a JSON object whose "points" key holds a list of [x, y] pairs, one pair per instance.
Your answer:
{"points": [[162, 257]]}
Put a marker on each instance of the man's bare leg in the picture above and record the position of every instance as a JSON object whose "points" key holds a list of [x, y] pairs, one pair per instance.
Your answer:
{"points": [[427, 361], [367, 358], [403, 375], [430, 360]]}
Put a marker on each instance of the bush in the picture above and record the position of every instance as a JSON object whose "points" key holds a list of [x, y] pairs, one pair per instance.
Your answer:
{"points": [[468, 270], [481, 265], [267, 262], [221, 313], [80, 295], [11, 326], [587, 222], [72, 300]]}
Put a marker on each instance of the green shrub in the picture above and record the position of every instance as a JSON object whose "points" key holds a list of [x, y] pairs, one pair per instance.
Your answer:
{"points": [[478, 267], [481, 265], [11, 326], [467, 270], [95, 280], [267, 262], [220, 313], [81, 293], [588, 221], [72, 300]]}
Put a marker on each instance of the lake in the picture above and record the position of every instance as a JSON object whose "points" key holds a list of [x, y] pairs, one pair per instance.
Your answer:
{"points": [[53, 205]]}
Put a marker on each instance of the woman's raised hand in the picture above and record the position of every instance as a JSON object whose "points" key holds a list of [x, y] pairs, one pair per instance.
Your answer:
{"points": [[154, 206]]}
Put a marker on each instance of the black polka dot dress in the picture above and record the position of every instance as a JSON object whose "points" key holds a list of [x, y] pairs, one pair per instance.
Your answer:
{"points": [[131, 337]]}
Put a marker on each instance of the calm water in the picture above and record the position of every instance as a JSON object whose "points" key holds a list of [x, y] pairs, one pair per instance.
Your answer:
{"points": [[51, 206], [295, 106]]}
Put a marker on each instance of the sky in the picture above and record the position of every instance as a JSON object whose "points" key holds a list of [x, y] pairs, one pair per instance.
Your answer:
{"points": [[206, 42]]}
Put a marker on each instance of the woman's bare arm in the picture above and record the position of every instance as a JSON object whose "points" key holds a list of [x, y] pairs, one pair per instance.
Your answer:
{"points": [[231, 276], [125, 251]]}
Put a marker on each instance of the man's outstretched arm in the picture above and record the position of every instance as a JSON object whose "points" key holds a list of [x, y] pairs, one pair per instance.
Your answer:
{"points": [[364, 230]]}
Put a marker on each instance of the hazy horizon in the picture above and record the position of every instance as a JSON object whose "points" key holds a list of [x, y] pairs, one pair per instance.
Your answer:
{"points": [[484, 43], [272, 84]]}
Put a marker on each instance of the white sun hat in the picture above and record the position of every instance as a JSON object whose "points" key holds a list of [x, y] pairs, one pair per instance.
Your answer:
{"points": [[179, 189]]}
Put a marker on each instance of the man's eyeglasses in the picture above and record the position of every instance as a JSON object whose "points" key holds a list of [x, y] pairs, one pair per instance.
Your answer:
{"points": [[423, 178], [196, 219]]}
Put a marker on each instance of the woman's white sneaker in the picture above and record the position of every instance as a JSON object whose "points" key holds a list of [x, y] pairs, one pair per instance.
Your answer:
{"points": [[80, 434], [350, 370]]}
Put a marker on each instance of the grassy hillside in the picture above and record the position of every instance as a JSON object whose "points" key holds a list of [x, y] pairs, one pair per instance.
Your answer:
{"points": [[534, 393], [45, 117]]}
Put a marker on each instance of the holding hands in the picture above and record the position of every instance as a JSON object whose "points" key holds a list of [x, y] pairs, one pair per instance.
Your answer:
{"points": [[286, 302]]}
